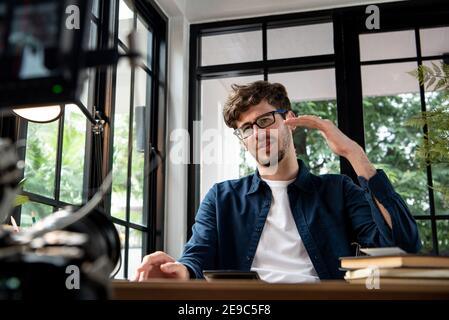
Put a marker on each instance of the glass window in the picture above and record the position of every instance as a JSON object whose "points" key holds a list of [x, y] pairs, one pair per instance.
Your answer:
{"points": [[122, 235], [144, 42], [34, 210], [391, 96], [140, 139], [231, 48], [440, 171], [121, 137], [425, 233], [40, 158], [73, 150], [135, 251], [387, 45], [435, 41], [131, 139], [126, 21], [443, 237], [95, 7], [300, 41]]}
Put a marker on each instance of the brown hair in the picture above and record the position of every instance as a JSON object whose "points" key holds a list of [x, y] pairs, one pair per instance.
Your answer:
{"points": [[243, 97]]}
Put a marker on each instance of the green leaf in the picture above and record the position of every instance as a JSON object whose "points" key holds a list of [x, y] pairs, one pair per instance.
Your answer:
{"points": [[21, 199], [436, 68], [431, 82]]}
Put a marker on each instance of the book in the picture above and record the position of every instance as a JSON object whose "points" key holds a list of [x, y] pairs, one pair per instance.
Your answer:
{"points": [[430, 273], [399, 261]]}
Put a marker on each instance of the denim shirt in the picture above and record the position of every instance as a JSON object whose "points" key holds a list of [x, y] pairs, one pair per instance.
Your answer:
{"points": [[330, 212]]}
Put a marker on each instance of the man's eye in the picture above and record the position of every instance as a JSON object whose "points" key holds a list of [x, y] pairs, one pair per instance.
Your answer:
{"points": [[247, 130], [265, 121]]}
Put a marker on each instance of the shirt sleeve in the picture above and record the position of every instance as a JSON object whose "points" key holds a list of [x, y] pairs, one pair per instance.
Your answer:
{"points": [[199, 252], [367, 220]]}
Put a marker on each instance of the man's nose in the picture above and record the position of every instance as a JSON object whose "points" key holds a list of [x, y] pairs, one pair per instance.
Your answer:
{"points": [[259, 133]]}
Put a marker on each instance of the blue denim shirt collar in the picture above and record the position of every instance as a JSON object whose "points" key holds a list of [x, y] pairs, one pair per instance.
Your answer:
{"points": [[303, 179]]}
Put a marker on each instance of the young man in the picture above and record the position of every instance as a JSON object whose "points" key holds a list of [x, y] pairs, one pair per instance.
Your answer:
{"points": [[284, 222]]}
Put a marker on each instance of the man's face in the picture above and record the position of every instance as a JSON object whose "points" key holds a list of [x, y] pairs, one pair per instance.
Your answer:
{"points": [[269, 145]]}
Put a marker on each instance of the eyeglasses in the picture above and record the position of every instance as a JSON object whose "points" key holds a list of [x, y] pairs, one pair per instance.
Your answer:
{"points": [[263, 121]]}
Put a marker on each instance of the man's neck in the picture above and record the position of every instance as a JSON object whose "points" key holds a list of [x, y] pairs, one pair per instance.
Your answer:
{"points": [[287, 169]]}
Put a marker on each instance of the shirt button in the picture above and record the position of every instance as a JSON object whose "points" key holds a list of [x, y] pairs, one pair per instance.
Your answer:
{"points": [[248, 258]]}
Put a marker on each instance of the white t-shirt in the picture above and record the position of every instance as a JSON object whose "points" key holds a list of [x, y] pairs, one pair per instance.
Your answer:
{"points": [[281, 255]]}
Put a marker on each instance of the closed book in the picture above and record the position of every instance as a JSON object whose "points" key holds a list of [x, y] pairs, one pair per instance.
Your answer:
{"points": [[430, 273], [412, 261]]}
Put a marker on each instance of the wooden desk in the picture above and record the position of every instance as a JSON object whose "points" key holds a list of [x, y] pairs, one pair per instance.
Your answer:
{"points": [[255, 290]]}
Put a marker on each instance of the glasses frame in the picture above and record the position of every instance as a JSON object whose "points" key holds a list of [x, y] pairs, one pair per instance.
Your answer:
{"points": [[239, 133]]}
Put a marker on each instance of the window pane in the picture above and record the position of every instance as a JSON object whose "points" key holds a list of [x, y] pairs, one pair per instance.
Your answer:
{"points": [[390, 98], [122, 236], [434, 41], [135, 251], [140, 139], [300, 41], [443, 237], [95, 7], [231, 48], [40, 158], [126, 22], [222, 157], [73, 149], [93, 36], [121, 138], [387, 45], [87, 94], [425, 233], [312, 92], [389, 79], [144, 42], [29, 209], [440, 171]]}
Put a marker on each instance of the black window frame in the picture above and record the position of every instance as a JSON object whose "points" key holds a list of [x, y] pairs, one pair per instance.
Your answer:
{"points": [[348, 24], [153, 230]]}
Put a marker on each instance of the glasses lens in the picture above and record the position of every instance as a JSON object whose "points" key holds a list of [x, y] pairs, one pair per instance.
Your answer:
{"points": [[265, 121], [247, 131]]}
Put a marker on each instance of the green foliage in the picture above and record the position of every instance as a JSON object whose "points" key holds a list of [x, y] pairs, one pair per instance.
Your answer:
{"points": [[434, 145]]}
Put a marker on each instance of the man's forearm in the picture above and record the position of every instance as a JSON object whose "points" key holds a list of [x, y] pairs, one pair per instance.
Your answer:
{"points": [[360, 162], [364, 168]]}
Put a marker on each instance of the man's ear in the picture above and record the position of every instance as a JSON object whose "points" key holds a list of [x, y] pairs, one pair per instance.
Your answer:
{"points": [[290, 115]]}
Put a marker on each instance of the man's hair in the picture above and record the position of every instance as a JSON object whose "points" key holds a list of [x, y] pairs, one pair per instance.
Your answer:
{"points": [[243, 97]]}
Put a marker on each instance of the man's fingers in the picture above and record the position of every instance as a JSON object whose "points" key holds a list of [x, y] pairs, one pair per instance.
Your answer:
{"points": [[136, 276], [170, 267], [305, 121], [143, 275], [174, 268], [155, 258]]}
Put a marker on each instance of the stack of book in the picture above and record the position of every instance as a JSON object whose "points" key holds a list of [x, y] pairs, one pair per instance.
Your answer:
{"points": [[396, 269]]}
